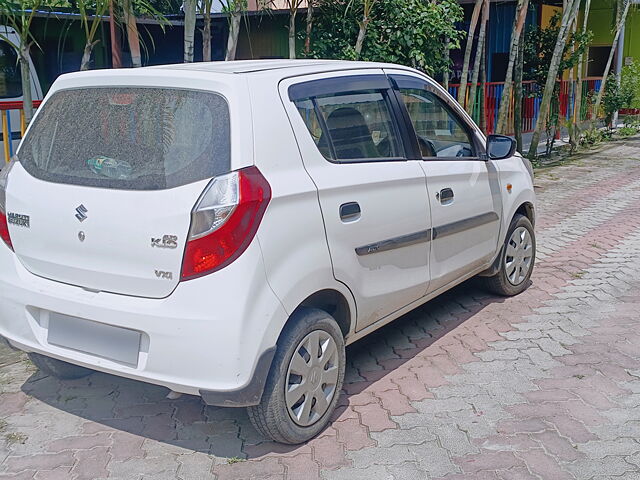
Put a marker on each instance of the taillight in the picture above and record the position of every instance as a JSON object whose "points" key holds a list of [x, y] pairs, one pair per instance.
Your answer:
{"points": [[224, 221], [4, 226]]}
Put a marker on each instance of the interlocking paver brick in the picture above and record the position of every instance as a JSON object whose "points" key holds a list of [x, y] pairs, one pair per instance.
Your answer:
{"points": [[469, 386]]}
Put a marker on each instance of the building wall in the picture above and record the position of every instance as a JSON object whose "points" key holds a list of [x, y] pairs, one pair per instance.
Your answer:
{"points": [[602, 23], [632, 36], [500, 27]]}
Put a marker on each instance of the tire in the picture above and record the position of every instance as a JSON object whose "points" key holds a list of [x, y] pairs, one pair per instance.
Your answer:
{"points": [[506, 282], [57, 368], [285, 422]]}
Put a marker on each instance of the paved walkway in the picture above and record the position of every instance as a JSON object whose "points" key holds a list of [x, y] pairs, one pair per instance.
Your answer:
{"points": [[542, 386]]}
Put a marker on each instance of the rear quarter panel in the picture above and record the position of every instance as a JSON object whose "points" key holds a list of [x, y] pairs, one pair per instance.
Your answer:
{"points": [[292, 235]]}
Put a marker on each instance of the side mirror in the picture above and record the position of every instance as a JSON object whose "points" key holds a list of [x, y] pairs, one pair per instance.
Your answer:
{"points": [[500, 146]]}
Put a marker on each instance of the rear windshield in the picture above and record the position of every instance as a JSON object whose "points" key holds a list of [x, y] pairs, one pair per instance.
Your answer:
{"points": [[129, 138]]}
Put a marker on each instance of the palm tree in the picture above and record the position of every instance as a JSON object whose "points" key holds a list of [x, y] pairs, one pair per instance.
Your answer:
{"points": [[189, 28], [205, 8], [505, 103], [18, 15], [132, 32], [235, 9], [577, 106], [90, 26], [568, 15], [462, 91], [307, 37], [479, 55], [293, 6], [366, 18]]}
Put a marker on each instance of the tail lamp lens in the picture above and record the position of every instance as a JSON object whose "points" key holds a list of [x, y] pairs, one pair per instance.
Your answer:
{"points": [[224, 221], [4, 226]]}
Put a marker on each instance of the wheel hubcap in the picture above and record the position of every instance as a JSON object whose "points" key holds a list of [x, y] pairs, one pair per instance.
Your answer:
{"points": [[519, 256], [312, 378]]}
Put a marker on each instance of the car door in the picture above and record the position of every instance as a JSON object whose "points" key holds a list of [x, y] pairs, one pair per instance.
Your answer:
{"points": [[374, 201], [463, 186]]}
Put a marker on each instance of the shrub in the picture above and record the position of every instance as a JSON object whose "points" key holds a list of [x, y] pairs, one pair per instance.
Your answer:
{"points": [[627, 131], [630, 85]]}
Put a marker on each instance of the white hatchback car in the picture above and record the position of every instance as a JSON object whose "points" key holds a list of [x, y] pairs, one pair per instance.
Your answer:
{"points": [[225, 229]]}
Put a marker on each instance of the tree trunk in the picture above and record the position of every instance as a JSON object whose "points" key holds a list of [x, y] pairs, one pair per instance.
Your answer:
{"points": [[206, 37], [25, 71], [612, 52], [361, 34], [292, 33], [505, 103], [462, 91], [483, 91], [479, 53], [86, 56], [234, 32], [578, 101], [569, 13], [307, 38], [573, 90], [132, 34], [517, 95], [189, 29], [116, 57], [445, 74]]}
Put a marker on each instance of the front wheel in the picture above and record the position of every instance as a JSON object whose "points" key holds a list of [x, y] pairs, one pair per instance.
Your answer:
{"points": [[305, 379], [517, 258]]}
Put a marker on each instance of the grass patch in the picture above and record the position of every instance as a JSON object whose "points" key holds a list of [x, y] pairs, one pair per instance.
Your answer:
{"points": [[3, 425], [15, 437], [578, 274], [233, 460]]}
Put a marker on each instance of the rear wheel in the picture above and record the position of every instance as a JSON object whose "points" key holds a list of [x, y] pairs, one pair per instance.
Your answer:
{"points": [[517, 258], [305, 380], [58, 368]]}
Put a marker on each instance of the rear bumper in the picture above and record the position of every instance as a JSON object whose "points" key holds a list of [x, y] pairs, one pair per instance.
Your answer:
{"points": [[214, 336]]}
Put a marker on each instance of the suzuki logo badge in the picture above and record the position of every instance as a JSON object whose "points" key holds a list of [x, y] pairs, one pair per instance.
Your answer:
{"points": [[81, 213]]}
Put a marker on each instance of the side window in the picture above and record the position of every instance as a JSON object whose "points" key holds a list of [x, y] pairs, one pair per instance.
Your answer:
{"points": [[440, 132], [10, 78], [353, 126]]}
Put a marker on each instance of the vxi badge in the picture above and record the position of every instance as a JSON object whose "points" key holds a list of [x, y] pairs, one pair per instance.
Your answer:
{"points": [[19, 220]]}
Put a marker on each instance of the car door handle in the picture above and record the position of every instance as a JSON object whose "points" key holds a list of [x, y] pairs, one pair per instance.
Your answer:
{"points": [[445, 196], [350, 212]]}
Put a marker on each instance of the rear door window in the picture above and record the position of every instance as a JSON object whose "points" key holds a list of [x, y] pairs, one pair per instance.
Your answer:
{"points": [[10, 78], [352, 125], [129, 138]]}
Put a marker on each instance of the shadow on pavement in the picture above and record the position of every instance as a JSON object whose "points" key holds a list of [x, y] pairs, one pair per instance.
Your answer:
{"points": [[111, 403]]}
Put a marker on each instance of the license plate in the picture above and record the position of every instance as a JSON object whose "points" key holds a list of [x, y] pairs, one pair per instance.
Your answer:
{"points": [[114, 343]]}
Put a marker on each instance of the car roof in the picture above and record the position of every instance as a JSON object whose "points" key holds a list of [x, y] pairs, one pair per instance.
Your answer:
{"points": [[284, 67], [272, 71]]}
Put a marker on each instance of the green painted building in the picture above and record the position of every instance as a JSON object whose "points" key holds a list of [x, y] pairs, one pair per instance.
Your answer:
{"points": [[602, 24]]}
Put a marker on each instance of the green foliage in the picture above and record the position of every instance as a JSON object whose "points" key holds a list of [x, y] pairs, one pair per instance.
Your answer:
{"points": [[627, 131], [539, 45], [630, 85], [615, 97], [591, 137], [408, 32], [632, 121]]}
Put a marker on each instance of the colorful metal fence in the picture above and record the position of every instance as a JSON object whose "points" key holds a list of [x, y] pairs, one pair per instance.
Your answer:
{"points": [[12, 112], [531, 98]]}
